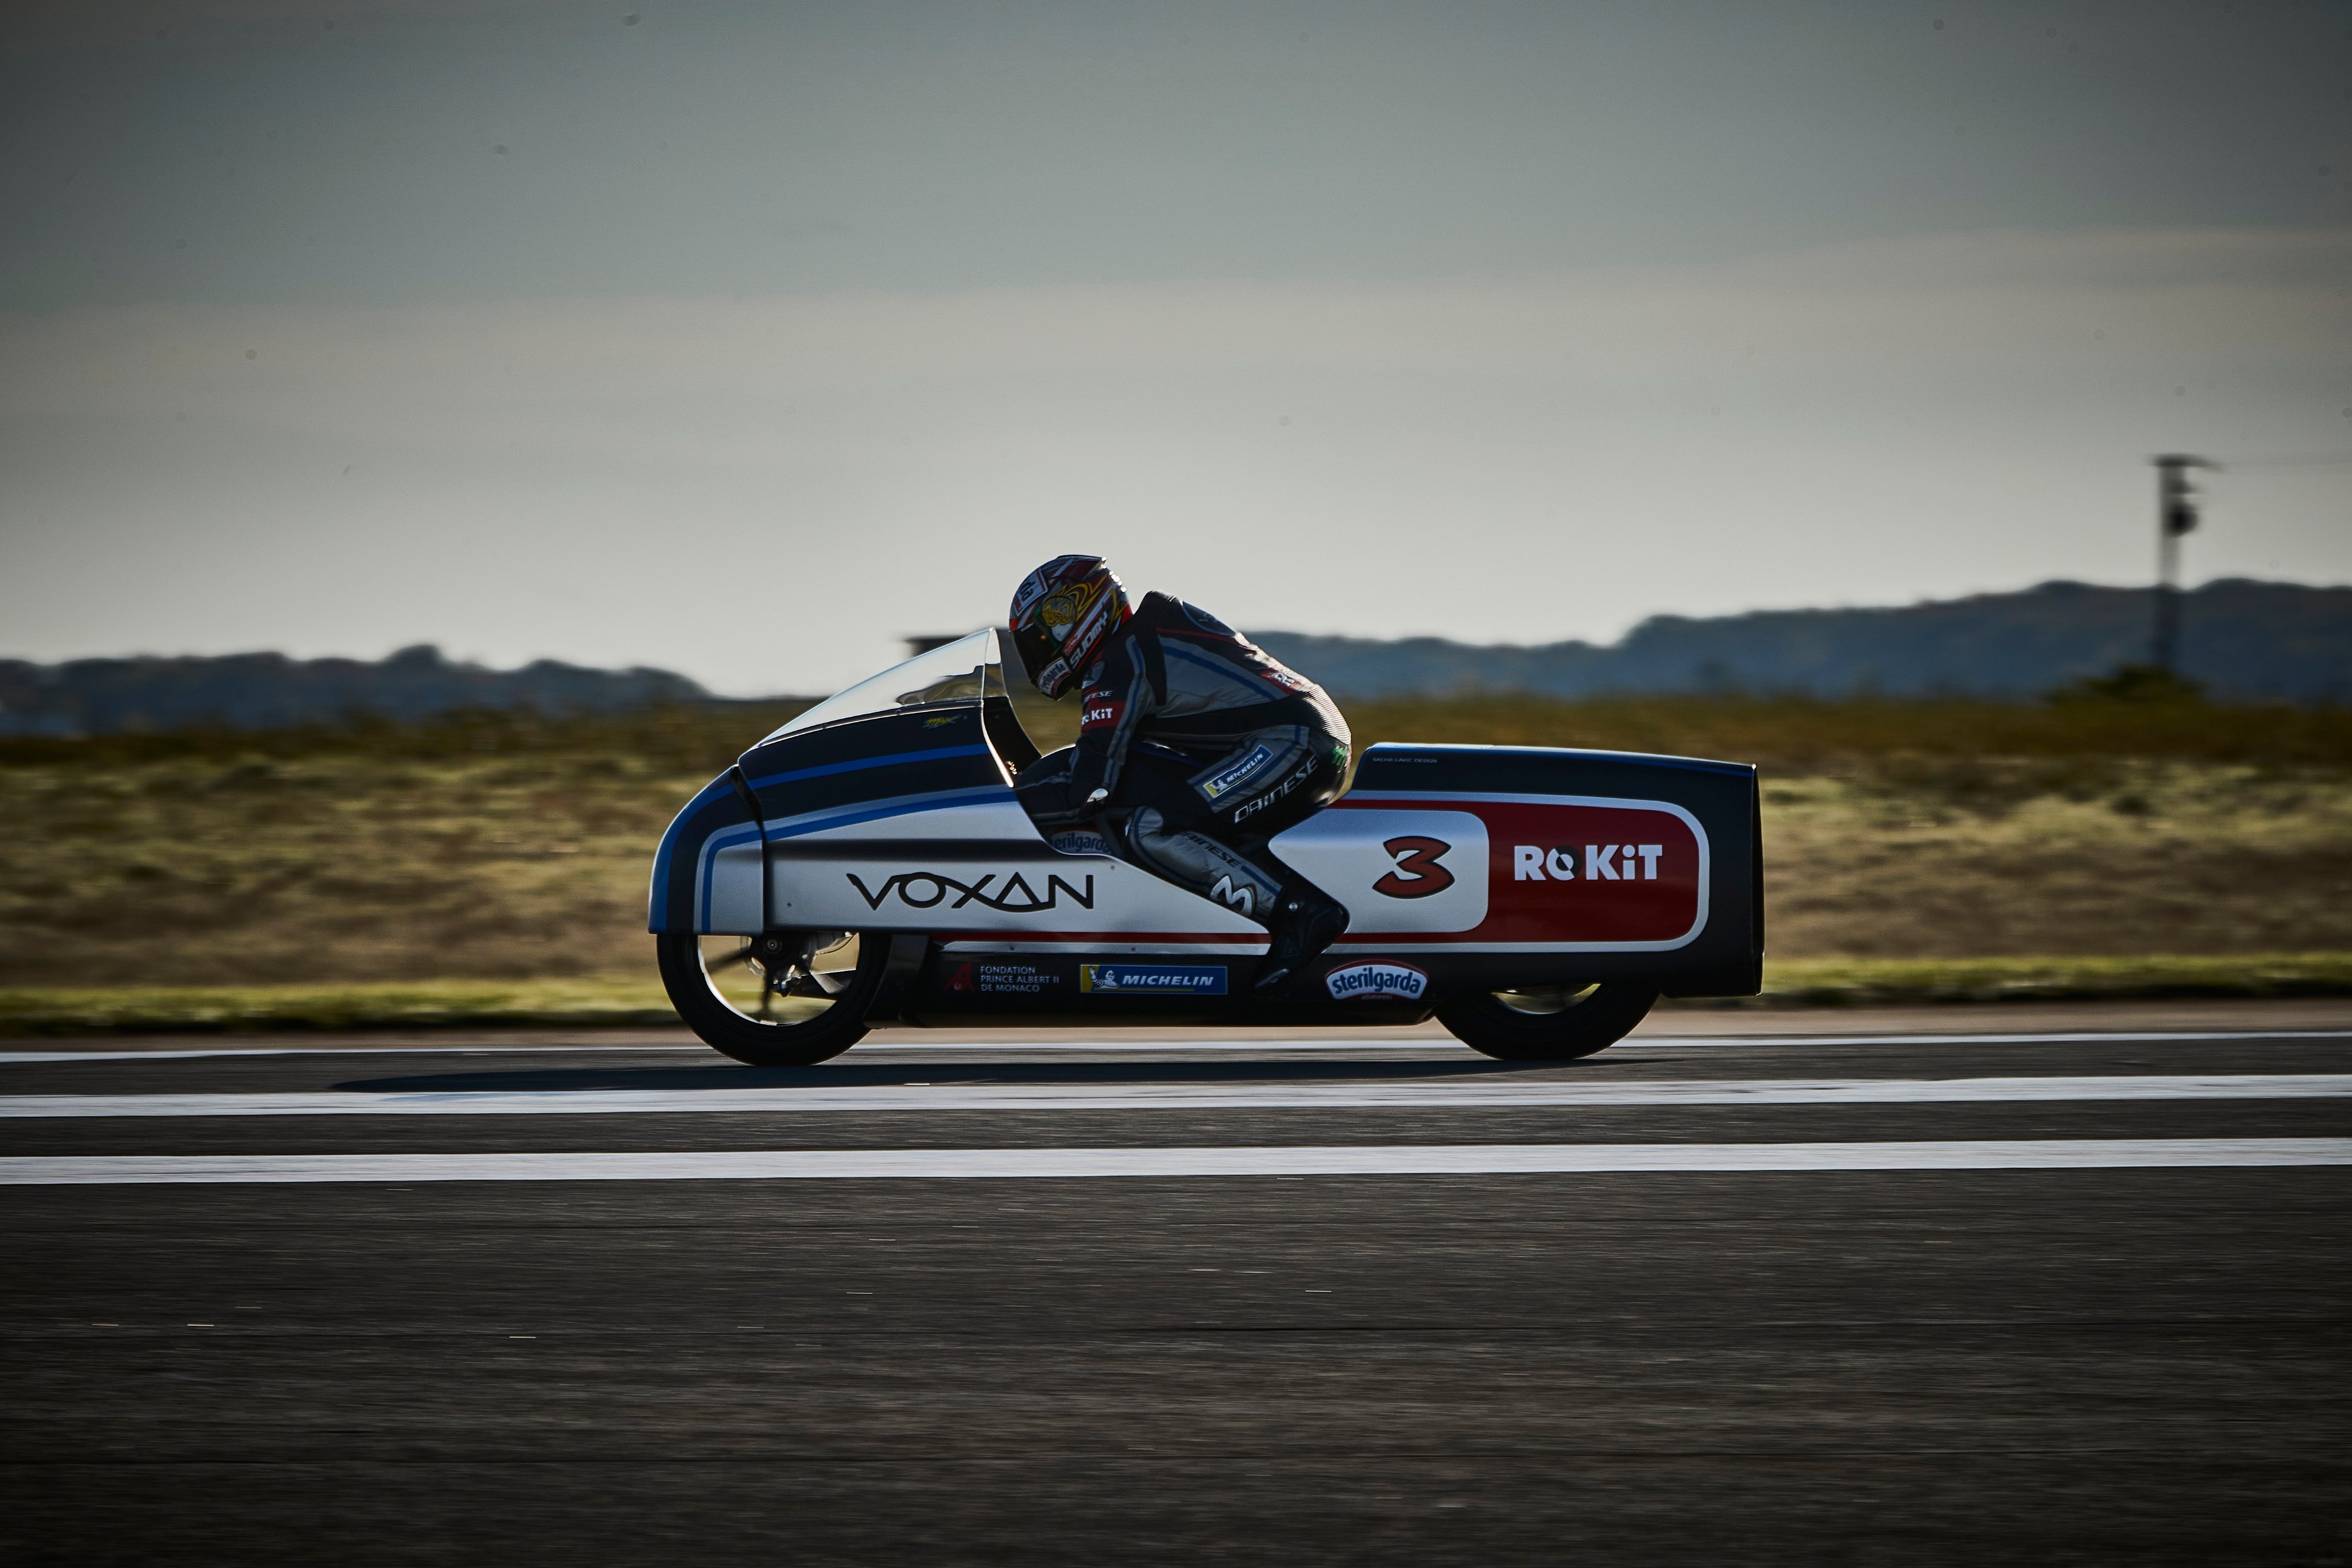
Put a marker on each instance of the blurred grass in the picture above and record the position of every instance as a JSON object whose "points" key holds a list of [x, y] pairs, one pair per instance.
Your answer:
{"points": [[32, 1012], [1805, 735], [706, 735], [222, 1009], [1853, 982], [502, 849], [1786, 734]]}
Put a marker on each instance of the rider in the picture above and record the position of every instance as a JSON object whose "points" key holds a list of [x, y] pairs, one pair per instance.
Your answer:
{"points": [[1208, 745]]}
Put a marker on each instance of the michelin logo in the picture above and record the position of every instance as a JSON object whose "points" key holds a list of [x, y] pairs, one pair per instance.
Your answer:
{"points": [[1400, 980], [1162, 979], [1239, 774]]}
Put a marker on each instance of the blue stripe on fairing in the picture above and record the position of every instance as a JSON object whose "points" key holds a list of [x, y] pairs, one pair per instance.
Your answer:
{"points": [[818, 821], [705, 872], [657, 900], [719, 788], [899, 806], [891, 761]]}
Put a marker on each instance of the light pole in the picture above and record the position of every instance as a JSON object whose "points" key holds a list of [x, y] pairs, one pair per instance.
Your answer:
{"points": [[2176, 513]]}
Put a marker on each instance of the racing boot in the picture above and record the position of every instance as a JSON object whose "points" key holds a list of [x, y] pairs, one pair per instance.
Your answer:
{"points": [[1305, 923]]}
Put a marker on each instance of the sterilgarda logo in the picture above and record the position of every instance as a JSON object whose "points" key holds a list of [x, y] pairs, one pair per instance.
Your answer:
{"points": [[1351, 982]]}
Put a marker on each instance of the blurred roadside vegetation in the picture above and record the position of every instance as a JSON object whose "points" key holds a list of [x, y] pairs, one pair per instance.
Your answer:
{"points": [[1783, 734], [2107, 822], [1924, 738], [706, 736]]}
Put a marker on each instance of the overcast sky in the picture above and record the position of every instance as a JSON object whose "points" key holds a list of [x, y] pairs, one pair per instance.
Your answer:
{"points": [[746, 338]]}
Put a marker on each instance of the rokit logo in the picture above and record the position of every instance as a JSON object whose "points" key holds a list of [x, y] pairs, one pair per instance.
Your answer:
{"points": [[926, 889], [1353, 981], [1602, 863]]}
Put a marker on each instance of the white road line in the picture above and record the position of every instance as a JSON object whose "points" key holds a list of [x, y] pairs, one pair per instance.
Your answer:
{"points": [[1145, 1047], [2111, 1037], [1443, 1047], [1486, 1092], [1402, 1159]]}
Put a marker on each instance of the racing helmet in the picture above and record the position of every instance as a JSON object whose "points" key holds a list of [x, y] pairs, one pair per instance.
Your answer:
{"points": [[1063, 615]]}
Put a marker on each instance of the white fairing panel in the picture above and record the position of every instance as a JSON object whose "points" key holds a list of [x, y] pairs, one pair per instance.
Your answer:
{"points": [[933, 871], [1396, 871], [731, 887]]}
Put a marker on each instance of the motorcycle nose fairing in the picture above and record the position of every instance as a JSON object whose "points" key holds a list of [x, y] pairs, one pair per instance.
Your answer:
{"points": [[1513, 891]]}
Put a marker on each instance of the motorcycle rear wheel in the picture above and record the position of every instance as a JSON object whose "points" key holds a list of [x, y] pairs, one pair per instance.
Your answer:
{"points": [[800, 1019], [1548, 1025]]}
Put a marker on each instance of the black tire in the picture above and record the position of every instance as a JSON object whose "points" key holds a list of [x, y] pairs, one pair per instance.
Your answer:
{"points": [[809, 1037], [1545, 1024]]}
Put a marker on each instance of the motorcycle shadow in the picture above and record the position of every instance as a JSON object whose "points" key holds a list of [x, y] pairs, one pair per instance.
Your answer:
{"points": [[719, 1077]]}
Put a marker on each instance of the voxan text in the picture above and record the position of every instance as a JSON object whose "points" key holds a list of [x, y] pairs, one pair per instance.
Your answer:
{"points": [[923, 889]]}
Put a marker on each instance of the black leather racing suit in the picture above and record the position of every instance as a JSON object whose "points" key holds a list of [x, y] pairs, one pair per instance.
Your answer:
{"points": [[1208, 745]]}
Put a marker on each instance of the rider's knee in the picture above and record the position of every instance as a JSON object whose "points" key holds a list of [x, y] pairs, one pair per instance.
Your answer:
{"points": [[1146, 831]]}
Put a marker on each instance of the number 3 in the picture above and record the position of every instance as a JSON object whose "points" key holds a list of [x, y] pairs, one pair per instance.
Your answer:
{"points": [[1417, 873]]}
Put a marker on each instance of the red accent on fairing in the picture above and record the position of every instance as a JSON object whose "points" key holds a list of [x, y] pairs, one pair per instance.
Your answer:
{"points": [[1106, 939], [1662, 909]]}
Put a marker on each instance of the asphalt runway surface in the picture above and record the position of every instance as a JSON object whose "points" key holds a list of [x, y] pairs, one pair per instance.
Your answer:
{"points": [[1849, 1295]]}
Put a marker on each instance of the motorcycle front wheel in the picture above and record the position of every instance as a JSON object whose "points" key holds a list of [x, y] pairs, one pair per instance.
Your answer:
{"points": [[796, 1005], [1548, 1024]]}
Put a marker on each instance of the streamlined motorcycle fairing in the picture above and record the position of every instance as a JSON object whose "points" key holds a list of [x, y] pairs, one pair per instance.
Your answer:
{"points": [[1464, 869]]}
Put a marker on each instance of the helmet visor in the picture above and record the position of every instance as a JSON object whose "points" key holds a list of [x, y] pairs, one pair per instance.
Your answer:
{"points": [[1040, 658]]}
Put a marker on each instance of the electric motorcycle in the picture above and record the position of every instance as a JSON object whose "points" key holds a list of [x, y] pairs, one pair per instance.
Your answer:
{"points": [[868, 864]]}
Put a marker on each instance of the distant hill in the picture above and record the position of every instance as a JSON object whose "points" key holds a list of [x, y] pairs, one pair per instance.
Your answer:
{"points": [[270, 691], [2241, 638]]}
